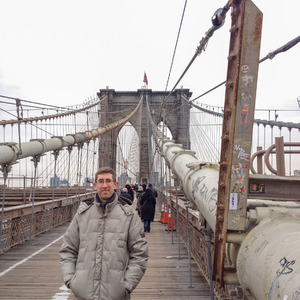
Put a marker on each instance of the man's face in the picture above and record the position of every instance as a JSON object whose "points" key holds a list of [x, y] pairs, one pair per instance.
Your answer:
{"points": [[105, 186]]}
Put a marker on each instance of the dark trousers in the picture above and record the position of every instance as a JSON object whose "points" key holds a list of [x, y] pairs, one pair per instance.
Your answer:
{"points": [[147, 225]]}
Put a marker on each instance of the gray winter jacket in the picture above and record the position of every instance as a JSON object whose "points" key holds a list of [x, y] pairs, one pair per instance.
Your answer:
{"points": [[104, 253]]}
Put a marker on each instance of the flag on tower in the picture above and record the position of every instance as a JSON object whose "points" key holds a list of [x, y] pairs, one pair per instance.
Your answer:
{"points": [[145, 79]]}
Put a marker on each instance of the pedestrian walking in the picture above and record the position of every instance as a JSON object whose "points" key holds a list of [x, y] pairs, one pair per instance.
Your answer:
{"points": [[124, 193], [147, 203], [153, 190], [129, 189], [139, 194]]}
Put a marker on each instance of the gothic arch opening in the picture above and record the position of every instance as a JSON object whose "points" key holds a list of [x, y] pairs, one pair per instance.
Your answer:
{"points": [[127, 159], [158, 169], [165, 130]]}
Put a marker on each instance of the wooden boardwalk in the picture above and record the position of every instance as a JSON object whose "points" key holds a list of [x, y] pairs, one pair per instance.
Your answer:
{"points": [[32, 271]]}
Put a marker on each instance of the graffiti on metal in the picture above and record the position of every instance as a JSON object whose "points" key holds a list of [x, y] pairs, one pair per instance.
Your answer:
{"points": [[241, 153], [238, 186], [285, 269], [209, 195]]}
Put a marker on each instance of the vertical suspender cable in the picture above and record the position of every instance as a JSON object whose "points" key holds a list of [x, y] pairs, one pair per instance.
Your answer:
{"points": [[75, 123], [87, 155], [264, 136], [208, 232], [94, 153], [166, 191], [55, 153], [78, 170], [257, 134], [188, 240], [161, 150], [171, 219], [149, 149], [264, 144], [177, 222], [68, 180], [86, 168], [3, 133], [5, 175], [290, 158], [35, 160], [12, 139], [161, 174], [24, 189], [272, 131]]}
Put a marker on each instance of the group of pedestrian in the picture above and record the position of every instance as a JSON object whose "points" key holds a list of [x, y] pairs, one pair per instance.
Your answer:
{"points": [[146, 201], [104, 252]]}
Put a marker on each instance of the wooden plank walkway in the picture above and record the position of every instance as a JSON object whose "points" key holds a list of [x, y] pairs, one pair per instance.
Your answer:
{"points": [[38, 275]]}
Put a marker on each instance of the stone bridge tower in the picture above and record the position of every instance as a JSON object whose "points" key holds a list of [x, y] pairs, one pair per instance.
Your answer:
{"points": [[119, 104]]}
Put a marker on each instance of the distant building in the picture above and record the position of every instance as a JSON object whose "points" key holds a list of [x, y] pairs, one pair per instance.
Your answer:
{"points": [[64, 182], [88, 181], [154, 178], [123, 178], [56, 181], [296, 172]]}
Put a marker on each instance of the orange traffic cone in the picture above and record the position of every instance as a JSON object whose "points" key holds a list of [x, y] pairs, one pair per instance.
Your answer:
{"points": [[165, 220], [162, 212], [170, 222]]}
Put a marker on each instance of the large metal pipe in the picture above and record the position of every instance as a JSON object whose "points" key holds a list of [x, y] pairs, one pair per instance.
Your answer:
{"points": [[9, 152], [268, 260], [198, 179]]}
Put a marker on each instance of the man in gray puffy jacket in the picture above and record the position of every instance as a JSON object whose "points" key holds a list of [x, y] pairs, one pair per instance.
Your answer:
{"points": [[104, 253]]}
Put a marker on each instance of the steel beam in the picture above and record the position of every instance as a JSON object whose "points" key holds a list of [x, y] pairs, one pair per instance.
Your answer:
{"points": [[238, 119]]}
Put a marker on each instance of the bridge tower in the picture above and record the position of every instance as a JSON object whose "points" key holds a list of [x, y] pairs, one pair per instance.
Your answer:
{"points": [[118, 104]]}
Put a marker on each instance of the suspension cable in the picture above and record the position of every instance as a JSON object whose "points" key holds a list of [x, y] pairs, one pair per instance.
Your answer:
{"points": [[36, 103], [176, 44], [218, 20], [271, 55], [70, 112], [55, 153], [257, 121], [5, 169], [35, 160]]}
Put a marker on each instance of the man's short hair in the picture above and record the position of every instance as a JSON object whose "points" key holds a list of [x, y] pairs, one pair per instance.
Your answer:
{"points": [[106, 170]]}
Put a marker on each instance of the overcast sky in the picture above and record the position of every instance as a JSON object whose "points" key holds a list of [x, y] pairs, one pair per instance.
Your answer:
{"points": [[61, 52]]}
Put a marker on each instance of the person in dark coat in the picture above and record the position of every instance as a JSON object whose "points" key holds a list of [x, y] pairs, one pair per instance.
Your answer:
{"points": [[148, 203], [124, 193], [129, 189], [153, 190], [139, 194]]}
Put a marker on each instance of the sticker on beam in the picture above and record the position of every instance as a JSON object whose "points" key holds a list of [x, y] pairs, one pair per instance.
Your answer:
{"points": [[233, 201]]}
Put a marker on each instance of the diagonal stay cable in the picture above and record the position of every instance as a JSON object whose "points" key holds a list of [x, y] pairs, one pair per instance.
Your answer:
{"points": [[36, 103], [176, 45], [218, 20], [270, 55]]}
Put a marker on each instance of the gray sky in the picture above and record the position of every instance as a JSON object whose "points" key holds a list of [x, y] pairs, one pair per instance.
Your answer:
{"points": [[62, 52]]}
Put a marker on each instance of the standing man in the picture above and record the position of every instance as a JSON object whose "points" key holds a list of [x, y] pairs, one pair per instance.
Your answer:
{"points": [[104, 253]]}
